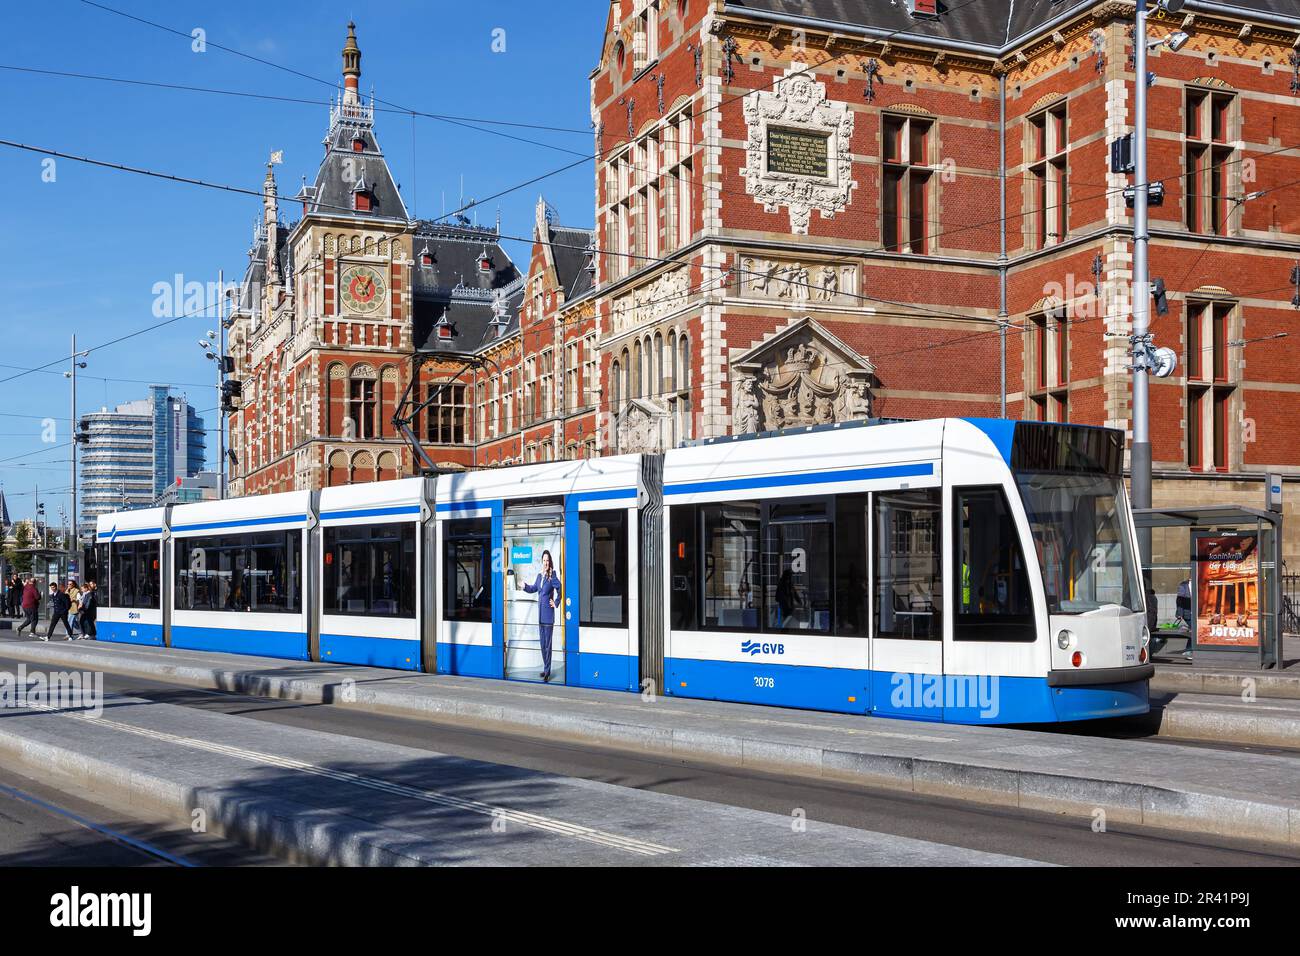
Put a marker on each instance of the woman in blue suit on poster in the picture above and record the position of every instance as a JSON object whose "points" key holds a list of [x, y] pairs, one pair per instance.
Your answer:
{"points": [[547, 587]]}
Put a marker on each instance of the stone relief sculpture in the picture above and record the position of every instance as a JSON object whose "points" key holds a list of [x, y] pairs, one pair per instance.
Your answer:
{"points": [[652, 301], [798, 102], [800, 377], [798, 281]]}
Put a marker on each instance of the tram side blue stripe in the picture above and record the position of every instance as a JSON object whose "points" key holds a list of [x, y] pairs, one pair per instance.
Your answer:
{"points": [[106, 535], [240, 523], [370, 512], [813, 478]]}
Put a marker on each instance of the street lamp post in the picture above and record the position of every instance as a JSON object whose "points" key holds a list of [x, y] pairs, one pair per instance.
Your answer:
{"points": [[1141, 292], [214, 349], [1143, 353], [75, 431]]}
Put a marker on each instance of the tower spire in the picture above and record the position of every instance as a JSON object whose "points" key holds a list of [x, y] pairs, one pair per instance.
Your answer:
{"points": [[351, 67]]}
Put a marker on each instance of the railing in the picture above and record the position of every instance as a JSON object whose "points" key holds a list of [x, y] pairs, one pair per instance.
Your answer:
{"points": [[1290, 601]]}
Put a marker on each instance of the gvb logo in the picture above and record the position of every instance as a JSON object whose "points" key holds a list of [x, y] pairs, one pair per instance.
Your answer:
{"points": [[949, 691], [759, 647]]}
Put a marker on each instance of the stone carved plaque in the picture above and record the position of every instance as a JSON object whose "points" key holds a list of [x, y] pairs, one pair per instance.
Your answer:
{"points": [[795, 109], [797, 151], [798, 282]]}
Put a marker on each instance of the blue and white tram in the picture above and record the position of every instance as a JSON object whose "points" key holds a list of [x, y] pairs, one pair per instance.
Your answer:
{"points": [[370, 563], [493, 528], [962, 570], [129, 556], [959, 570], [240, 583]]}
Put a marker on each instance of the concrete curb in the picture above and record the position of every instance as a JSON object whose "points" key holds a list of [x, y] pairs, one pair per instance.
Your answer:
{"points": [[1121, 801], [294, 832], [1173, 681]]}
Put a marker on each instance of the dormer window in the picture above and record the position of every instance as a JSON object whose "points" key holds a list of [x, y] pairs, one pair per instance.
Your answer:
{"points": [[426, 256], [358, 144], [363, 200], [484, 262]]}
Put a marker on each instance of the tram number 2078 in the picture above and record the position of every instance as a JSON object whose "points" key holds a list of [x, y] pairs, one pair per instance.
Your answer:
{"points": [[766, 682]]}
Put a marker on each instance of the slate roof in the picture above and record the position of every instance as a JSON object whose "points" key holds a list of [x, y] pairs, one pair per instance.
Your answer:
{"points": [[343, 169], [569, 246], [453, 286], [988, 23]]}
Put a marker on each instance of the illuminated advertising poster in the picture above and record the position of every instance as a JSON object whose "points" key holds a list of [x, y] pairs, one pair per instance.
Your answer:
{"points": [[1227, 589]]}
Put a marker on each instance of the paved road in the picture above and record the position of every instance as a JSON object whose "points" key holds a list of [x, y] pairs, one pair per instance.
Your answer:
{"points": [[1007, 831], [42, 825]]}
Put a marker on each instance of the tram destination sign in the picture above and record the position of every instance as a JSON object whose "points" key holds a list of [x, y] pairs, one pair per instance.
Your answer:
{"points": [[797, 152]]}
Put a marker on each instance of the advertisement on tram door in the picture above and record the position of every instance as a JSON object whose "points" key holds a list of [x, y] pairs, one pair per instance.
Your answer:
{"points": [[1227, 589]]}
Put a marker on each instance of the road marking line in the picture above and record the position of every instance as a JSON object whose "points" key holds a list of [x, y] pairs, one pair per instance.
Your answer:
{"points": [[522, 817]]}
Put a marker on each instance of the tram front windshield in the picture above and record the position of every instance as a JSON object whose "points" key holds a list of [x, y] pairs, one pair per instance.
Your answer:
{"points": [[1080, 526]]}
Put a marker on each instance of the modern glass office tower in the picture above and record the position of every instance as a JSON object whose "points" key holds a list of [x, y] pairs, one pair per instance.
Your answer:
{"points": [[137, 451]]}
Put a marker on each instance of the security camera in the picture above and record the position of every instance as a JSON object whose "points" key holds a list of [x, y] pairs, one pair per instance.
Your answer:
{"points": [[1177, 40], [1171, 6]]}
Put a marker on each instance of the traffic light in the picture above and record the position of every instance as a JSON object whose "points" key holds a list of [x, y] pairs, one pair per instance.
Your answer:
{"points": [[1121, 155], [231, 389]]}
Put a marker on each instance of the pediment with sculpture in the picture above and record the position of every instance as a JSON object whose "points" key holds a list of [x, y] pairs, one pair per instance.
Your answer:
{"points": [[803, 375]]}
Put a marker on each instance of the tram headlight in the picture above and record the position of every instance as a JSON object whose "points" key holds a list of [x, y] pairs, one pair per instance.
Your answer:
{"points": [[1146, 635], [1064, 639]]}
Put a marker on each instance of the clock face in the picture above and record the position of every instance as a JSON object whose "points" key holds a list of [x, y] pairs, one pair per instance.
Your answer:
{"points": [[363, 290]]}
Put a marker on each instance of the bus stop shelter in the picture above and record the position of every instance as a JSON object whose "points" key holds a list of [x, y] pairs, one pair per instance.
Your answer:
{"points": [[1183, 543]]}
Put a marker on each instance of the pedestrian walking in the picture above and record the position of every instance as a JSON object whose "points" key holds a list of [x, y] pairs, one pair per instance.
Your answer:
{"points": [[74, 606], [15, 593], [59, 607], [31, 604], [89, 607]]}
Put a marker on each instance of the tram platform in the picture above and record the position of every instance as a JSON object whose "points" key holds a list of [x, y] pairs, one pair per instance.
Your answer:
{"points": [[1214, 674], [1212, 790]]}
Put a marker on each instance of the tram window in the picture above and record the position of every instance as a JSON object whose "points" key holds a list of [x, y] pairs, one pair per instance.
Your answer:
{"points": [[852, 585], [467, 570], [370, 570], [602, 577], [992, 583], [258, 572], [731, 566], [907, 568], [684, 528], [133, 576], [797, 568], [101, 575]]}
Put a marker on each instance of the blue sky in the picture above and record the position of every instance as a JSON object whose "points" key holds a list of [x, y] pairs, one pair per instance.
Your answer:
{"points": [[83, 253]]}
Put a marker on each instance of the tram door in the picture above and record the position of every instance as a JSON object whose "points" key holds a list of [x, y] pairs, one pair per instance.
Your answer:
{"points": [[530, 534]]}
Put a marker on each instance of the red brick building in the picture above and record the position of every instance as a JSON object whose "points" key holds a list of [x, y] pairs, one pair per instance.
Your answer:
{"points": [[812, 208], [802, 219]]}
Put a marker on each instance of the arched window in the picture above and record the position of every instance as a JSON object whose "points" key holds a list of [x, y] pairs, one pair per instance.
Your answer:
{"points": [[363, 467], [616, 384], [387, 466], [624, 387], [337, 398], [672, 359], [363, 401], [338, 469], [683, 361], [659, 363], [636, 369]]}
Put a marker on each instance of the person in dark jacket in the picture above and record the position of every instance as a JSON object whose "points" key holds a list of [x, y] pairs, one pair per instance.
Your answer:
{"points": [[60, 604], [89, 606], [31, 603], [15, 592], [547, 587]]}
